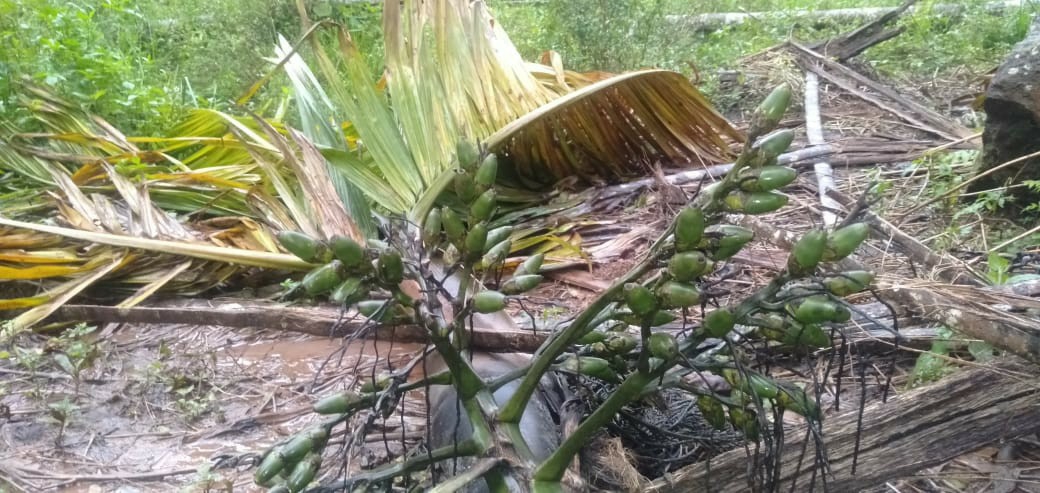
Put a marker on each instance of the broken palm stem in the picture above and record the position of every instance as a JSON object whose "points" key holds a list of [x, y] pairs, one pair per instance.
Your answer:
{"points": [[814, 131], [553, 468]]}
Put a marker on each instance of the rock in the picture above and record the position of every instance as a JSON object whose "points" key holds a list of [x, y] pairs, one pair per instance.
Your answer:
{"points": [[1013, 122]]}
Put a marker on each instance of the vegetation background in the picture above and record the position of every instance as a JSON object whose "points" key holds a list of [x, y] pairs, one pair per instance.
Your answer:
{"points": [[143, 63]]}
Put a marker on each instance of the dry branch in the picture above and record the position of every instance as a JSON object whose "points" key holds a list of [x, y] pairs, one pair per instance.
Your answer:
{"points": [[940, 265], [857, 41], [851, 81], [910, 432]]}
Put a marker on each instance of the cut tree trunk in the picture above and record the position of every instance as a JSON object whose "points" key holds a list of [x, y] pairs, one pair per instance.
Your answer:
{"points": [[710, 22], [910, 432]]}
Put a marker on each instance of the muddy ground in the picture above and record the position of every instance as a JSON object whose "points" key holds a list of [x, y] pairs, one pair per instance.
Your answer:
{"points": [[186, 408], [171, 408]]}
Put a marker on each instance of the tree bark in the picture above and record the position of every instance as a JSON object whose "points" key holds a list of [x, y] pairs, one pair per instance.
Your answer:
{"points": [[910, 432]]}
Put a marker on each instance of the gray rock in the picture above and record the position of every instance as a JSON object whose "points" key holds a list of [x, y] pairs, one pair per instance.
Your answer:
{"points": [[1013, 121]]}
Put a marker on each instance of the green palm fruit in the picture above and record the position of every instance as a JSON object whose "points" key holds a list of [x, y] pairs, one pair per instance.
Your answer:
{"points": [[769, 320], [795, 399], [453, 226], [679, 295], [773, 145], [465, 188], [591, 366], [599, 348], [768, 114], [842, 242], [532, 265], [484, 205], [303, 443], [712, 411], [306, 248], [486, 173], [754, 202], [338, 403], [849, 282], [269, 467], [762, 386], [476, 240], [807, 253], [640, 299], [489, 301], [725, 240], [811, 335], [498, 235], [467, 154], [369, 308], [766, 179], [621, 343], [390, 267], [521, 284], [663, 345], [818, 309], [719, 322], [348, 292], [280, 488], [348, 251], [431, 235], [379, 382], [497, 253], [744, 420], [686, 266], [592, 337], [660, 317], [323, 279], [689, 227], [304, 473]]}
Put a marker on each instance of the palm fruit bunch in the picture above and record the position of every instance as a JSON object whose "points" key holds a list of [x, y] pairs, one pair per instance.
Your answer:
{"points": [[757, 181], [348, 273], [292, 465], [799, 311], [467, 236]]}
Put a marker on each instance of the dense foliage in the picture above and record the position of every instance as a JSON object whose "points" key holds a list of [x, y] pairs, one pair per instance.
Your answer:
{"points": [[144, 63]]}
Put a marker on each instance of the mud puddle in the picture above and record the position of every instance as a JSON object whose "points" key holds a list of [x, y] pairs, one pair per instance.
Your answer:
{"points": [[167, 408]]}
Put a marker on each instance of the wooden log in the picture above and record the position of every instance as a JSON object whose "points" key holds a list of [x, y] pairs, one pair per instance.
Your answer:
{"points": [[975, 312], [857, 41], [910, 432], [314, 320], [712, 21]]}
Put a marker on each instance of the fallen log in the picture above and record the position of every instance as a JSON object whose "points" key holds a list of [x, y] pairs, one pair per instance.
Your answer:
{"points": [[710, 22], [328, 321], [978, 313], [324, 321], [910, 432]]}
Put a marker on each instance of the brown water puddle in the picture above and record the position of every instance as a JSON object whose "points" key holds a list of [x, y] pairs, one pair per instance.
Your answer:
{"points": [[129, 421], [301, 358]]}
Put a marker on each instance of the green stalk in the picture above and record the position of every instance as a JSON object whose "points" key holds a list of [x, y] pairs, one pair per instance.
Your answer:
{"points": [[513, 409], [479, 470], [553, 468], [417, 463]]}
